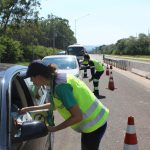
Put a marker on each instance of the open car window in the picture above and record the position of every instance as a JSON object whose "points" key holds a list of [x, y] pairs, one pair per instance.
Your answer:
{"points": [[24, 93], [38, 94]]}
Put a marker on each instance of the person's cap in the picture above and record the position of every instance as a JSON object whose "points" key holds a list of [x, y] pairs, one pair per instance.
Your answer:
{"points": [[37, 67]]}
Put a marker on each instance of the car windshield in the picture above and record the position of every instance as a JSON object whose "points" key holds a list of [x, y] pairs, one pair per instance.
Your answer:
{"points": [[62, 63], [78, 51]]}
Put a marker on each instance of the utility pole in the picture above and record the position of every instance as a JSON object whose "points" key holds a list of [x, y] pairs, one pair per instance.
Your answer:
{"points": [[75, 31]]}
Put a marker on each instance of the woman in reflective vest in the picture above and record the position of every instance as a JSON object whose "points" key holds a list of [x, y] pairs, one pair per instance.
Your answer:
{"points": [[74, 101]]}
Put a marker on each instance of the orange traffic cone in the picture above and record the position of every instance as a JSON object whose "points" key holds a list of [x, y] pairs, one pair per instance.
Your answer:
{"points": [[111, 82], [130, 141], [107, 71]]}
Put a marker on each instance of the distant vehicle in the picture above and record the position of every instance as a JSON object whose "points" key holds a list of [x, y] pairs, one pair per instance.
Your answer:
{"points": [[61, 53], [64, 63], [21, 132], [77, 50]]}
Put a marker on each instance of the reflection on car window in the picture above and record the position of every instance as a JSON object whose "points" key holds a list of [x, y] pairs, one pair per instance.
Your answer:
{"points": [[62, 62], [38, 94]]}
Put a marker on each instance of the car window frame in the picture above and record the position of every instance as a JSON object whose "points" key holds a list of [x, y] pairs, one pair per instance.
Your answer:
{"points": [[28, 97], [0, 97]]}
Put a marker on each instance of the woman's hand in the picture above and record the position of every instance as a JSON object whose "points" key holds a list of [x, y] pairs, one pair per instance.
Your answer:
{"points": [[76, 117], [24, 110]]}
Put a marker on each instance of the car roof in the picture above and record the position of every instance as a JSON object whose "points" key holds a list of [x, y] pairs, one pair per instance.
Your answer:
{"points": [[76, 45], [58, 56], [6, 66]]}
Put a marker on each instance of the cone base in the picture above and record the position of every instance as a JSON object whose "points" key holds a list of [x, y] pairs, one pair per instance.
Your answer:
{"points": [[130, 147]]}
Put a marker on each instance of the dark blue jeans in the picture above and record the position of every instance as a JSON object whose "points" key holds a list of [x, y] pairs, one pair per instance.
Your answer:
{"points": [[91, 141]]}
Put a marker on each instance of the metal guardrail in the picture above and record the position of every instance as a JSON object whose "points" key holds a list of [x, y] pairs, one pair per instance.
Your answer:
{"points": [[140, 68]]}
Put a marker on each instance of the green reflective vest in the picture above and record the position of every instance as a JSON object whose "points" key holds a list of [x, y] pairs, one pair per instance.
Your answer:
{"points": [[98, 66], [94, 113], [85, 62]]}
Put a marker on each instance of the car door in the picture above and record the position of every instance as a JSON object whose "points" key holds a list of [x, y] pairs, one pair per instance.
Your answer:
{"points": [[23, 95]]}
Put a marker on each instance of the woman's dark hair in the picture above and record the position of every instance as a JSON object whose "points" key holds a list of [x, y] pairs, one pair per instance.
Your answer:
{"points": [[37, 67]]}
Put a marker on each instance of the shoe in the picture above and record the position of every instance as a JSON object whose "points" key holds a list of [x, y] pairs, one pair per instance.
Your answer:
{"points": [[85, 76], [99, 96]]}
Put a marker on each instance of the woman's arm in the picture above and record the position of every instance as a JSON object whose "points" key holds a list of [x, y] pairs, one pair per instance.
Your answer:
{"points": [[76, 117], [31, 108]]}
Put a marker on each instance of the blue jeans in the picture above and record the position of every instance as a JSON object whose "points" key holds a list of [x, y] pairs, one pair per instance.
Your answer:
{"points": [[91, 141]]}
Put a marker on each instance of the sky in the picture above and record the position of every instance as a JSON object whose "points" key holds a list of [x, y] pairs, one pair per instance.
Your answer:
{"points": [[98, 22]]}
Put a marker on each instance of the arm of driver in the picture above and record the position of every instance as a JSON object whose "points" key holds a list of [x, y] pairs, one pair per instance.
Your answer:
{"points": [[32, 108]]}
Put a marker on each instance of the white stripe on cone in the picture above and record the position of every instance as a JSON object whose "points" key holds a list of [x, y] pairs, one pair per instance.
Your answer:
{"points": [[130, 147], [131, 129]]}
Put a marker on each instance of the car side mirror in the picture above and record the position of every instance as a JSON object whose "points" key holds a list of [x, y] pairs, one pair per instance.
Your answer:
{"points": [[30, 130]]}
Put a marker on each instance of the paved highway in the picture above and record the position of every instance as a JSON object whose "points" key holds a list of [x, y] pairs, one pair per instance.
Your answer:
{"points": [[130, 98]]}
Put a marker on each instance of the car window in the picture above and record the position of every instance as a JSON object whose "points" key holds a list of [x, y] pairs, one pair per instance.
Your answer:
{"points": [[78, 51], [39, 94], [62, 63]]}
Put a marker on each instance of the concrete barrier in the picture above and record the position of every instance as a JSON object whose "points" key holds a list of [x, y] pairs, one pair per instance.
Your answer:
{"points": [[141, 73], [137, 67]]}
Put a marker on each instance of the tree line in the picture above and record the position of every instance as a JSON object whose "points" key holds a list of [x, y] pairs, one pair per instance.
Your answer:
{"points": [[25, 36], [128, 46]]}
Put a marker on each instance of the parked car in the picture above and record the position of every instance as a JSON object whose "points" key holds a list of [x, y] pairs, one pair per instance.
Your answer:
{"points": [[61, 53], [78, 50], [21, 131], [64, 63]]}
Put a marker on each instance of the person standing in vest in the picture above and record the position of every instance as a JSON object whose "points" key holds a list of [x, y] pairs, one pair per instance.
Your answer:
{"points": [[97, 69], [85, 63], [75, 102]]}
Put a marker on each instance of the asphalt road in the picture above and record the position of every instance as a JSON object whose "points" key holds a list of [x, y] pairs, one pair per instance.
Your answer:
{"points": [[130, 98]]}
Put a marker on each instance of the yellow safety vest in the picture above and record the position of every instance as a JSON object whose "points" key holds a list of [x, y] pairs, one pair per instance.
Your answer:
{"points": [[85, 62], [94, 113], [98, 66]]}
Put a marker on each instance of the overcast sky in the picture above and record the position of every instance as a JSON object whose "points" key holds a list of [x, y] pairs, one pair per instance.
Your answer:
{"points": [[101, 21]]}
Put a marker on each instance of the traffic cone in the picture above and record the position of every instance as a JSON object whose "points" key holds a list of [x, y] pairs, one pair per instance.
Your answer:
{"points": [[130, 141], [107, 71], [111, 82]]}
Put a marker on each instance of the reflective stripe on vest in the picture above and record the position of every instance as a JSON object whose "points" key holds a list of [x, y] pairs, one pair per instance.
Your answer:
{"points": [[92, 67], [98, 65], [95, 88], [93, 111], [95, 80], [85, 126]]}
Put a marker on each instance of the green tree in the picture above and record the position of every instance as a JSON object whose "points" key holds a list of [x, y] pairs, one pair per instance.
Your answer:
{"points": [[13, 12], [11, 51], [56, 33]]}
